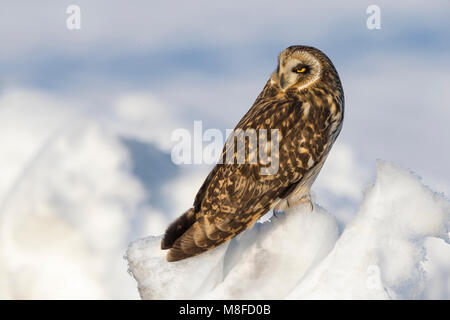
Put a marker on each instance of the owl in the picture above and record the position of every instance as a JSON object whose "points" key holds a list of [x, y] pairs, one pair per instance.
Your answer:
{"points": [[304, 101]]}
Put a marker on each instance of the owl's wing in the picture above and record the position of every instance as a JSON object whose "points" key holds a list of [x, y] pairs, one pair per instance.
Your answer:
{"points": [[233, 200], [234, 196]]}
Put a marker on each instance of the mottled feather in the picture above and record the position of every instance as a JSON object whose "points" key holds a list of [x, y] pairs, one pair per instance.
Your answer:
{"points": [[234, 196]]}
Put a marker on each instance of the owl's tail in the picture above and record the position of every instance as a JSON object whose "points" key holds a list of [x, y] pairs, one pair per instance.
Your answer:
{"points": [[186, 237], [177, 228]]}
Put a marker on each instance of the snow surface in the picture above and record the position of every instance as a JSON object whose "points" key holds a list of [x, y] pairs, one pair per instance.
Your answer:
{"points": [[69, 203], [383, 253], [78, 184]]}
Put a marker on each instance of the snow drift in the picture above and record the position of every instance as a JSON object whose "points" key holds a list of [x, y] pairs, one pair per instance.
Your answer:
{"points": [[69, 203], [382, 254]]}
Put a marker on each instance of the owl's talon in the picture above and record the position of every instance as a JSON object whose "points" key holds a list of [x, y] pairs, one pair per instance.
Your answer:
{"points": [[311, 205], [275, 212]]}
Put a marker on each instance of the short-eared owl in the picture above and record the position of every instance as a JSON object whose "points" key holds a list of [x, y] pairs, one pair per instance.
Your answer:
{"points": [[304, 100]]}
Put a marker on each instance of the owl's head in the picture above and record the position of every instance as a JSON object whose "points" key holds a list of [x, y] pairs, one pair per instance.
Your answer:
{"points": [[301, 66]]}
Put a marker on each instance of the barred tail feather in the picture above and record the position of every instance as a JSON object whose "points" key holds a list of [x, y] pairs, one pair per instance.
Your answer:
{"points": [[177, 228], [193, 242]]}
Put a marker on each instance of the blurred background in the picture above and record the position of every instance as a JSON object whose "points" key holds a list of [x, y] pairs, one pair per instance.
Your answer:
{"points": [[86, 118]]}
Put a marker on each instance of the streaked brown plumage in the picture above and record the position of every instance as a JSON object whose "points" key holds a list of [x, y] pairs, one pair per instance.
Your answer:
{"points": [[304, 100]]}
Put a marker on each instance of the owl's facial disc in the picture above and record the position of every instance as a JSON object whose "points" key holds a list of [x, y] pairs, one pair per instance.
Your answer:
{"points": [[298, 70]]}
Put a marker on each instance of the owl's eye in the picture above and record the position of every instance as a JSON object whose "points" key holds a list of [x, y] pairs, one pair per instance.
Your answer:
{"points": [[300, 69]]}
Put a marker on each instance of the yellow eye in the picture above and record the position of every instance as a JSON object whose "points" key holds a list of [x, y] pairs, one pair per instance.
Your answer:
{"points": [[301, 70]]}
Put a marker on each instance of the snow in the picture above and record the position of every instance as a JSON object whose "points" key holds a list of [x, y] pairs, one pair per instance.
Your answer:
{"points": [[58, 220], [385, 252], [170, 281], [146, 117], [73, 194], [68, 203]]}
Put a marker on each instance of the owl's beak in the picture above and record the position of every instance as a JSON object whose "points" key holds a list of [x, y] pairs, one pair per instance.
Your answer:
{"points": [[282, 82]]}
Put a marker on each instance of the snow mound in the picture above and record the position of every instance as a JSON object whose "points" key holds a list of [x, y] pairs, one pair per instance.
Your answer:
{"points": [[380, 253], [57, 224], [72, 196], [299, 255], [181, 280]]}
